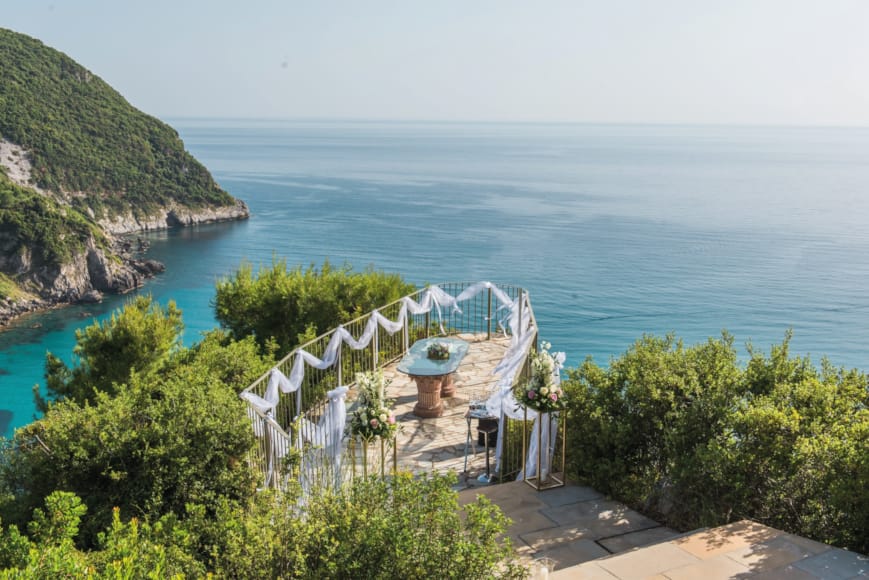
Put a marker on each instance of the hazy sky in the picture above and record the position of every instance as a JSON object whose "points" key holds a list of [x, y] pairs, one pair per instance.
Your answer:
{"points": [[653, 61]]}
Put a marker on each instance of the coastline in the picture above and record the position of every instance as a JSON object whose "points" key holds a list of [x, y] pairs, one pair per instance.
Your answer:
{"points": [[142, 270]]}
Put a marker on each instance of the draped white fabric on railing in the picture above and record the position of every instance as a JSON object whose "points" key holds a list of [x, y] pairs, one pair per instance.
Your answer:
{"points": [[501, 403], [432, 297], [326, 436]]}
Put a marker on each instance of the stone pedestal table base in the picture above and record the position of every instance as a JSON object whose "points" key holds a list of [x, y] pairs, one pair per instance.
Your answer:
{"points": [[448, 386], [429, 403]]}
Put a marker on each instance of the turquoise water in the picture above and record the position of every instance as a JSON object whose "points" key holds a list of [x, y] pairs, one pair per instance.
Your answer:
{"points": [[615, 230]]}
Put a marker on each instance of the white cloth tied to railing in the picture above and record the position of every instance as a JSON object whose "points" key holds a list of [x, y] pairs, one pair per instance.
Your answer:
{"points": [[434, 297], [326, 435]]}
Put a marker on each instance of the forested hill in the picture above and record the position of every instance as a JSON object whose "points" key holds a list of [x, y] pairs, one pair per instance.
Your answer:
{"points": [[85, 140], [73, 152]]}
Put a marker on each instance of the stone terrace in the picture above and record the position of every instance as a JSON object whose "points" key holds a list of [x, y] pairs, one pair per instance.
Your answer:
{"points": [[426, 445]]}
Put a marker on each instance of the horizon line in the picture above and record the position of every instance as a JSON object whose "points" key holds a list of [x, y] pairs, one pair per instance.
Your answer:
{"points": [[400, 121]]}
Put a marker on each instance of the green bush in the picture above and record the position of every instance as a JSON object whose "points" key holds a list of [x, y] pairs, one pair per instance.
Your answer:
{"points": [[138, 340], [375, 528], [696, 440], [291, 306], [157, 428], [131, 550]]}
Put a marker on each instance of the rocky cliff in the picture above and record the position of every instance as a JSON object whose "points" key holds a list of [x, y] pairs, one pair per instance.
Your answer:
{"points": [[79, 166]]}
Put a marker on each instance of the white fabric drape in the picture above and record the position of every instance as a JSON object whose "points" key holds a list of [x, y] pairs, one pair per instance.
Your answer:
{"points": [[514, 314], [327, 437], [543, 439], [433, 297]]}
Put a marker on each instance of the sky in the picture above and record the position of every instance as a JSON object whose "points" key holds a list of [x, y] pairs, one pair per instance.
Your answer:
{"points": [[779, 62]]}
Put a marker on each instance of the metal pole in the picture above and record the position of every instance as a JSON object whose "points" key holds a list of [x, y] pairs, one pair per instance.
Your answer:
{"points": [[376, 345], [518, 331], [525, 443], [353, 455], [540, 446], [562, 423]]}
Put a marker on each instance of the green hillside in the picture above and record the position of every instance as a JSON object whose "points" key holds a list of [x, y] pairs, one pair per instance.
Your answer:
{"points": [[31, 220], [85, 138]]}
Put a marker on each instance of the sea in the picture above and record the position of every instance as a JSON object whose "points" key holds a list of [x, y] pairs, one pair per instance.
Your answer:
{"points": [[615, 230]]}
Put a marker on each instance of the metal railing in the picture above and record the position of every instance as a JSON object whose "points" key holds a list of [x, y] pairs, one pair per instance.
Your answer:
{"points": [[286, 439]]}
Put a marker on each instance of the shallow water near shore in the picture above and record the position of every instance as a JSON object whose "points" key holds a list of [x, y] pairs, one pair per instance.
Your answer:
{"points": [[616, 231]]}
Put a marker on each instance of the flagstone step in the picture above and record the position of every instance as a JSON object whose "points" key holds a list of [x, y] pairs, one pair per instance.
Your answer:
{"points": [[578, 533]]}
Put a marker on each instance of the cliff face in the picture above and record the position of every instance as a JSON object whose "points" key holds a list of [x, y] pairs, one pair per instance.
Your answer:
{"points": [[83, 275], [79, 166], [173, 216]]}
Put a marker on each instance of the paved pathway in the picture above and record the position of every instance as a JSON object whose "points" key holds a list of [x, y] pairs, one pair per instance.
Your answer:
{"points": [[740, 550], [568, 525], [580, 534]]}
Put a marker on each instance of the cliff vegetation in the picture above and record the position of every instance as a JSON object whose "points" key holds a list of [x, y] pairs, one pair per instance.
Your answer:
{"points": [[78, 166]]}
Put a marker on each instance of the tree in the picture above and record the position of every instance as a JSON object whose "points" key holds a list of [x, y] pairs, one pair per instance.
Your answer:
{"points": [[149, 445], [779, 441], [294, 305], [138, 339], [401, 527], [130, 550]]}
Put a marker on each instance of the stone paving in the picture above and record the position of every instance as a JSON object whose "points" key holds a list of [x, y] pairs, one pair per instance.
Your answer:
{"points": [[568, 525], [578, 533], [438, 444], [743, 549]]}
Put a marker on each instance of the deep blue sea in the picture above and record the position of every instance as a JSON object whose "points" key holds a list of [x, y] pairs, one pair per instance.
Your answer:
{"points": [[616, 230]]}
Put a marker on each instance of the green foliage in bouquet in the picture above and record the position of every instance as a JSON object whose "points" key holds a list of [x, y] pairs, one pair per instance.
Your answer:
{"points": [[438, 351], [543, 392], [372, 417]]}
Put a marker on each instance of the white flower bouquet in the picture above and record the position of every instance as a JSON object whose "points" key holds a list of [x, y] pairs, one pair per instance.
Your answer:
{"points": [[372, 417], [543, 391]]}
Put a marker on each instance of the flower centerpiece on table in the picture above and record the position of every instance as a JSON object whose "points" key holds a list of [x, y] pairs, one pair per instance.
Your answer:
{"points": [[438, 351], [543, 391], [372, 416]]}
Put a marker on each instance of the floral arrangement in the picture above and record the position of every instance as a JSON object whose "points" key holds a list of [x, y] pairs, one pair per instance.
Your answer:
{"points": [[438, 351], [543, 391], [372, 417]]}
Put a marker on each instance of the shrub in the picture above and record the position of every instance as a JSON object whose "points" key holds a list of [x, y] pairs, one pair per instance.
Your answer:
{"points": [[295, 305], [376, 528], [693, 438]]}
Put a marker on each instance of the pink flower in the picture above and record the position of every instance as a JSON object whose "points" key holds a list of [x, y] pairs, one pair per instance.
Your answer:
{"points": [[554, 397], [374, 423], [531, 394], [392, 419]]}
